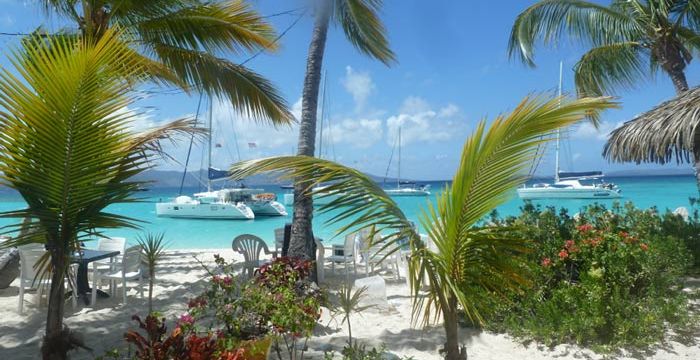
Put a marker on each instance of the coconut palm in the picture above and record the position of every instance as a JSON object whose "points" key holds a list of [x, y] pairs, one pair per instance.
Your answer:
{"points": [[67, 148], [459, 259], [184, 38], [630, 40], [365, 31]]}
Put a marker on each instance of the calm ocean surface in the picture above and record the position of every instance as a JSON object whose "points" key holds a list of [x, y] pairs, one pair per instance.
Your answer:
{"points": [[663, 192]]}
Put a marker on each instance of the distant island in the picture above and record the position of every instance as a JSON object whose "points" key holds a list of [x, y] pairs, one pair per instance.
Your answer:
{"points": [[172, 179]]}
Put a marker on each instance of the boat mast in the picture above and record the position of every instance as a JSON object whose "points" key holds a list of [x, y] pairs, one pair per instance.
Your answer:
{"points": [[211, 107], [556, 154], [398, 176]]}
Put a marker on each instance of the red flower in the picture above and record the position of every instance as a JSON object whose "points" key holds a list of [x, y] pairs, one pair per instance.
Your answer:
{"points": [[644, 246], [584, 228], [570, 246], [546, 262], [563, 254]]}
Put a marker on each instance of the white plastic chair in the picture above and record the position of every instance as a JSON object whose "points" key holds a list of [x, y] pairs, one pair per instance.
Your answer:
{"points": [[130, 269], [113, 263], [279, 240], [320, 260], [345, 254], [29, 256], [376, 255], [251, 247]]}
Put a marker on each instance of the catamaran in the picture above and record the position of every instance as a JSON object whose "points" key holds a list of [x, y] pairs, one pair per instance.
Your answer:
{"points": [[571, 185], [406, 188], [239, 203]]}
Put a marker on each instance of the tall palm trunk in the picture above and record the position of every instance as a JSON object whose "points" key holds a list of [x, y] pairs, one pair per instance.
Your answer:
{"points": [[56, 341], [678, 79], [302, 237]]}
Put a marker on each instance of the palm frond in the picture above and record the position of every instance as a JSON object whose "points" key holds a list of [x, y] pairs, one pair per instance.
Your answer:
{"points": [[585, 22], [250, 93], [151, 140], [608, 67], [211, 27], [458, 253], [363, 27]]}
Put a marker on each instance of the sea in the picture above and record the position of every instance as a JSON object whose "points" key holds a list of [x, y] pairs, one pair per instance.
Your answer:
{"points": [[662, 192]]}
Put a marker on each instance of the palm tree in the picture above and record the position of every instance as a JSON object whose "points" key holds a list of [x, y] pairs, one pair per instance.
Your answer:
{"points": [[364, 29], [183, 39], [459, 259], [67, 148], [630, 40]]}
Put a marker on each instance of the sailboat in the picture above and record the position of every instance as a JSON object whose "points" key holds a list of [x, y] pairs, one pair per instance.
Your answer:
{"points": [[406, 188], [570, 185], [239, 203]]}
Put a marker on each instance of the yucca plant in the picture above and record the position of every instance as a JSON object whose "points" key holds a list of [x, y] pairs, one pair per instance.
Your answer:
{"points": [[184, 41], [462, 262], [363, 28], [153, 248], [349, 302], [630, 40], [67, 147]]}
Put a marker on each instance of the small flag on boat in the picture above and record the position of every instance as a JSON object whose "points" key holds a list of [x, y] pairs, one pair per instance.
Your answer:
{"points": [[252, 145]]}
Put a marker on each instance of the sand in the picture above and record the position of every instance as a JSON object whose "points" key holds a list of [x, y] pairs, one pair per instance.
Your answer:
{"points": [[181, 277]]}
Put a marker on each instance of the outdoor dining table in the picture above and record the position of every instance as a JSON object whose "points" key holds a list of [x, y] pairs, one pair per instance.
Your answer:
{"points": [[83, 260]]}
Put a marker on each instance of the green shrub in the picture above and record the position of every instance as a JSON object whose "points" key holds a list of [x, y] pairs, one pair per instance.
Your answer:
{"points": [[607, 279]]}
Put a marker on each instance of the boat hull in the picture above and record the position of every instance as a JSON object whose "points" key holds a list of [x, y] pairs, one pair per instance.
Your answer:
{"points": [[267, 208], [552, 193], [416, 193], [204, 211]]}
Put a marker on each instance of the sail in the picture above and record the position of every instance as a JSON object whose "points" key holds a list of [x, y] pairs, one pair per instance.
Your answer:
{"points": [[580, 174], [216, 174]]}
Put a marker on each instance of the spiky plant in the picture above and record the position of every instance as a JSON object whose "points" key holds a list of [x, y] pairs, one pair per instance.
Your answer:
{"points": [[349, 300], [153, 248]]}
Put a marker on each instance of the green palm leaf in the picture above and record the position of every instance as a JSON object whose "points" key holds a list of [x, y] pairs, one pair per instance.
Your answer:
{"points": [[363, 28], [461, 255], [603, 68], [586, 22]]}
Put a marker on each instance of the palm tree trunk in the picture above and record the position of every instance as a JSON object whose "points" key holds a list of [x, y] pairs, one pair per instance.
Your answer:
{"points": [[302, 238], [679, 80], [451, 324], [56, 342], [696, 158]]}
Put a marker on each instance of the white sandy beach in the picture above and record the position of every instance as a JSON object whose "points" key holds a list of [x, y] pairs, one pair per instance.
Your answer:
{"points": [[181, 277]]}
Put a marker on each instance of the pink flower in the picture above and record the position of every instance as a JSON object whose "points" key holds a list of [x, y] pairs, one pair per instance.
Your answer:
{"points": [[563, 254], [186, 319], [228, 280], [546, 262], [216, 279]]}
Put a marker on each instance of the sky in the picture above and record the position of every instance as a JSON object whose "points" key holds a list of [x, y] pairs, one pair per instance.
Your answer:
{"points": [[452, 71]]}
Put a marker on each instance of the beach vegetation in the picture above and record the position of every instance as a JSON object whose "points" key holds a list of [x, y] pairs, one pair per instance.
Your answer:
{"points": [[350, 302], [182, 43], [153, 249], [606, 279], [458, 256], [68, 148], [363, 28]]}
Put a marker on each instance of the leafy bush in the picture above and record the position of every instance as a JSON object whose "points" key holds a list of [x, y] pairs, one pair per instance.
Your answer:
{"points": [[607, 278]]}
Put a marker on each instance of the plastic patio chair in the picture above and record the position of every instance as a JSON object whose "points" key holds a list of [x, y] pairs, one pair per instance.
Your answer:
{"points": [[344, 254], [29, 279], [113, 263], [251, 247], [279, 240], [130, 269]]}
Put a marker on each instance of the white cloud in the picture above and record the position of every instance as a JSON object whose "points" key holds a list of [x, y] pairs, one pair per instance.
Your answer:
{"points": [[587, 131], [420, 123], [358, 133], [359, 84]]}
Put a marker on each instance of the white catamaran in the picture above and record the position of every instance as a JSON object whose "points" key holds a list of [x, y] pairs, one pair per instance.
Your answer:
{"points": [[570, 185], [227, 203]]}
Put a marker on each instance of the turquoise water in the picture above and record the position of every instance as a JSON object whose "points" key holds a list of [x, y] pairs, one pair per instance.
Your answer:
{"points": [[662, 192]]}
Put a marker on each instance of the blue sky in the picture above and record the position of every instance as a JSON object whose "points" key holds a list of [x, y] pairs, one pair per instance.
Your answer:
{"points": [[452, 71]]}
